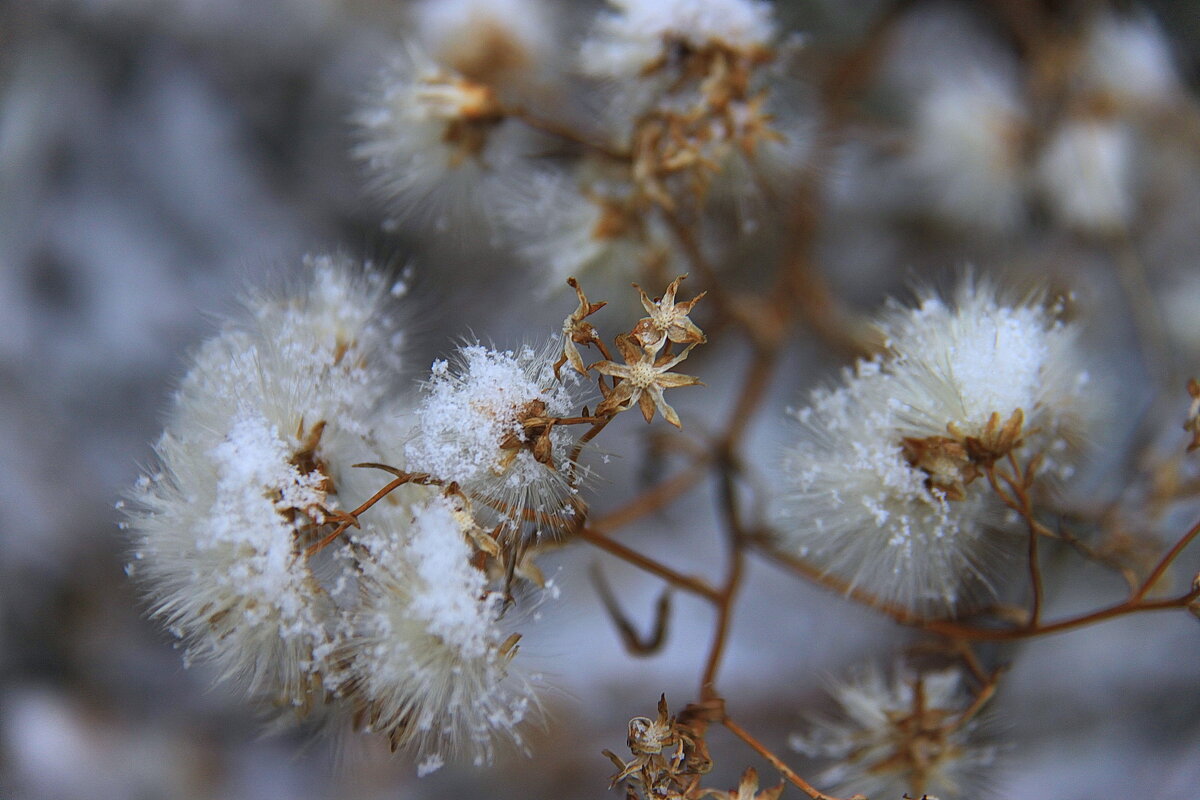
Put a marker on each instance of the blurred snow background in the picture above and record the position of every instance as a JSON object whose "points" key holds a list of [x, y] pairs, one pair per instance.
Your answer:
{"points": [[157, 155]]}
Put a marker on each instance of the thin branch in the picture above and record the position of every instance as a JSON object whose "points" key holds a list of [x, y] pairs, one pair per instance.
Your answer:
{"points": [[687, 583], [567, 133], [733, 578], [951, 628], [787, 772], [1165, 562]]}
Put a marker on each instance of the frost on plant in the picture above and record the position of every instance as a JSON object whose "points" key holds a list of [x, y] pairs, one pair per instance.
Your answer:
{"points": [[425, 656], [431, 138], [483, 424], [911, 733], [256, 451], [331, 537], [886, 484], [399, 623]]}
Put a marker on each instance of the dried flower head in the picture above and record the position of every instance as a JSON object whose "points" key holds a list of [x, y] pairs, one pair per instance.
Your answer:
{"points": [[668, 320], [917, 734], [431, 139], [423, 656], [990, 373], [644, 377], [576, 330], [882, 483], [669, 757], [255, 454], [504, 43], [485, 422], [689, 92], [638, 34]]}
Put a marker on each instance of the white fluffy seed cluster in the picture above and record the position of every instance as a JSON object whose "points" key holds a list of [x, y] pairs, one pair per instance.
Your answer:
{"points": [[469, 429], [889, 740], [456, 127], [862, 507], [634, 35], [423, 651], [432, 141], [397, 624]]}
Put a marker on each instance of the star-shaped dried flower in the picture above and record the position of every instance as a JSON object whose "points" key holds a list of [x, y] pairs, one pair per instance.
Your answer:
{"points": [[576, 331], [668, 320], [643, 379], [669, 757], [747, 789]]}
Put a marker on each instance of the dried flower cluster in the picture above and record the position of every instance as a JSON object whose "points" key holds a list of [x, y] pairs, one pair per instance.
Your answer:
{"points": [[338, 543], [402, 624], [689, 119], [266, 548]]}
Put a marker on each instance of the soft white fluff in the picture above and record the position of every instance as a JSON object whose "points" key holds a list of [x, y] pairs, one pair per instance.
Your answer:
{"points": [[1129, 59], [422, 652], [868, 734], [966, 150], [217, 521], [412, 163], [1086, 174], [558, 224], [504, 42], [853, 502], [633, 35], [472, 405], [958, 363]]}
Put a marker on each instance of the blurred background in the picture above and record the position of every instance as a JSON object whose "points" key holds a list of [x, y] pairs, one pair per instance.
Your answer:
{"points": [[157, 156]]}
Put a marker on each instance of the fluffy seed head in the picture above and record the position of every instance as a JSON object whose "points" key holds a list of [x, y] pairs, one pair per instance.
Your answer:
{"points": [[901, 736], [431, 138], [967, 150], [478, 425], [499, 42], [262, 431], [1086, 174], [883, 483], [1128, 60], [425, 658], [565, 227], [637, 33]]}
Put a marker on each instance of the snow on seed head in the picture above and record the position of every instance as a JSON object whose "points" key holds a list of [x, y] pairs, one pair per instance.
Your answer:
{"points": [[475, 426]]}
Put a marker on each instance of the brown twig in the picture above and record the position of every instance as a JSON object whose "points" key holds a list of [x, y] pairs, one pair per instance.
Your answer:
{"points": [[957, 630], [350, 518], [658, 496], [787, 772], [1165, 562], [635, 643], [687, 583], [567, 133], [736, 538]]}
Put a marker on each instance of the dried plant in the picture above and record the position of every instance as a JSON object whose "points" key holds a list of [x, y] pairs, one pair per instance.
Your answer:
{"points": [[340, 547]]}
